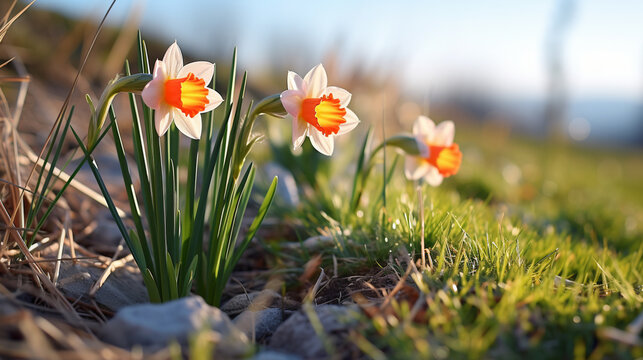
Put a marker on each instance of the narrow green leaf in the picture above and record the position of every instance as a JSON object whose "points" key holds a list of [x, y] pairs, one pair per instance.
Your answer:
{"points": [[110, 202], [129, 187], [356, 194], [171, 277], [256, 223], [58, 141], [150, 284], [186, 283], [59, 194], [35, 205], [137, 249], [387, 179], [222, 241]]}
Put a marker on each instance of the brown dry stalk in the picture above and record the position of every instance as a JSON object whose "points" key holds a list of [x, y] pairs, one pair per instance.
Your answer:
{"points": [[6, 22], [63, 109], [84, 189], [65, 308], [398, 286], [113, 265]]}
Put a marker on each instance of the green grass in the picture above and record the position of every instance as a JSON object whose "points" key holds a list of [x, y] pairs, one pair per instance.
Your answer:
{"points": [[505, 233]]}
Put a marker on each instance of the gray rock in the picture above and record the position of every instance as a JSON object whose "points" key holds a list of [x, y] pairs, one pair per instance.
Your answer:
{"points": [[263, 322], [155, 326], [296, 335], [274, 355], [106, 237], [122, 288], [258, 299], [6, 306], [110, 171]]}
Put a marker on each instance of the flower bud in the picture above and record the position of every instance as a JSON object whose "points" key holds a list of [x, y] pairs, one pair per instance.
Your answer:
{"points": [[270, 105], [409, 144], [133, 84]]}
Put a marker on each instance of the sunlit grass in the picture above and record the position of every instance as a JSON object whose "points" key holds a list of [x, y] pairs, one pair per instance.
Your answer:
{"points": [[531, 255]]}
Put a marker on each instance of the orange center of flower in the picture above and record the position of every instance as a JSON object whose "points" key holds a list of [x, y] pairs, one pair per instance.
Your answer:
{"points": [[446, 159], [187, 94], [323, 113]]}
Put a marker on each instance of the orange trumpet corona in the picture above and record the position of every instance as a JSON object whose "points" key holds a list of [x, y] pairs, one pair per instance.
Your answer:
{"points": [[325, 114], [187, 94], [446, 159]]}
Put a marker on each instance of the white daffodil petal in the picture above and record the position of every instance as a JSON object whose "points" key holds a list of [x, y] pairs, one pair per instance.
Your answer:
{"points": [[162, 119], [351, 122], [153, 91], [295, 82], [291, 100], [316, 81], [173, 60], [201, 69], [424, 127], [415, 167], [444, 133], [214, 100], [339, 93], [433, 177], [323, 144], [299, 132], [190, 126]]}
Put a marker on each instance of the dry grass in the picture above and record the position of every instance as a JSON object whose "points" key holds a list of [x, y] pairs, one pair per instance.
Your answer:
{"points": [[36, 319]]}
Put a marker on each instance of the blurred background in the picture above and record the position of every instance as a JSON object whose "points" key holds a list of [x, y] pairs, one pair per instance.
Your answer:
{"points": [[565, 69], [546, 95]]}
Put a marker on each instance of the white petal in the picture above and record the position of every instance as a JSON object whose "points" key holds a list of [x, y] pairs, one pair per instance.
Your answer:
{"points": [[295, 82], [323, 144], [152, 93], [351, 122], [291, 100], [316, 81], [162, 119], [191, 127], [173, 60], [201, 69], [214, 100], [444, 133], [424, 127], [299, 132], [433, 177], [339, 93], [415, 167]]}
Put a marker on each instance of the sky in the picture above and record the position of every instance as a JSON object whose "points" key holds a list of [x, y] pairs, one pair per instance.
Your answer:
{"points": [[431, 44], [494, 49]]}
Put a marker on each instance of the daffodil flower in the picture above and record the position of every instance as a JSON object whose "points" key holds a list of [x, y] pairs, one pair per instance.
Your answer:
{"points": [[178, 93], [318, 111], [439, 156]]}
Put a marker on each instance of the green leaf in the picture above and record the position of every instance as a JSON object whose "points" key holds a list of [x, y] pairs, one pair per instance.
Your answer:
{"points": [[171, 276], [150, 284], [138, 248], [359, 173], [129, 188], [57, 144], [256, 223], [186, 283], [110, 203]]}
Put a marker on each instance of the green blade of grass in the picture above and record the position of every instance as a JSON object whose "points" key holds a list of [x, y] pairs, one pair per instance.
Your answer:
{"points": [[252, 230], [356, 193], [138, 257], [129, 188]]}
